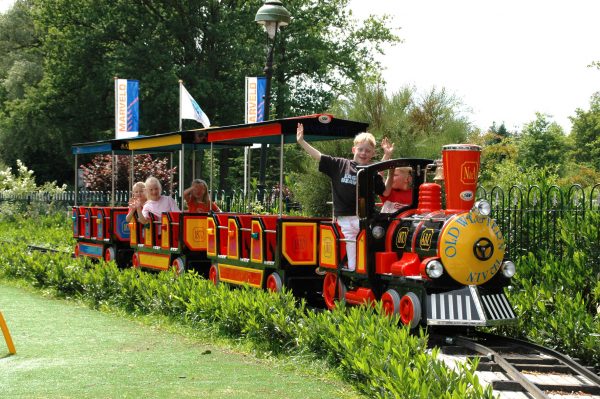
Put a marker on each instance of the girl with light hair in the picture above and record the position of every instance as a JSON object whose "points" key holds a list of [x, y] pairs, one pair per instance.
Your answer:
{"points": [[137, 200], [157, 204]]}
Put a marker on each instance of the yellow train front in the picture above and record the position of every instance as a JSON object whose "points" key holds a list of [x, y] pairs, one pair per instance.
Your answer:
{"points": [[430, 265]]}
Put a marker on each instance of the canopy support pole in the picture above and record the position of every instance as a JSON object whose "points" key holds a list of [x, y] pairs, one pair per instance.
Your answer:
{"points": [[281, 175], [76, 180], [112, 188], [181, 174]]}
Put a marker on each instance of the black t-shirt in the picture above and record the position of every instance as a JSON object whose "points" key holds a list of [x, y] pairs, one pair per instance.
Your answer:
{"points": [[342, 172]]}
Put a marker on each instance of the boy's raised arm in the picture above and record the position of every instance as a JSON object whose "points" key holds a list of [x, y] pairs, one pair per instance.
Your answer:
{"points": [[388, 149], [312, 151], [389, 181]]}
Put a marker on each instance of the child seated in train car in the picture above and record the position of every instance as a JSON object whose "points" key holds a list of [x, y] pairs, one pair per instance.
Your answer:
{"points": [[156, 204], [197, 198], [137, 200], [398, 194], [342, 173]]}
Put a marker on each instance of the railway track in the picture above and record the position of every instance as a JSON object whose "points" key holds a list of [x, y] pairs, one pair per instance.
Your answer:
{"points": [[519, 369]]}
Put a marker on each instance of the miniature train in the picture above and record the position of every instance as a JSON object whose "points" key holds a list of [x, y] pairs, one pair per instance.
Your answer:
{"points": [[429, 265]]}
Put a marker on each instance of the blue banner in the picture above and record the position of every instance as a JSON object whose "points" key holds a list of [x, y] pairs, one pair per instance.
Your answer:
{"points": [[261, 89], [133, 105], [127, 108]]}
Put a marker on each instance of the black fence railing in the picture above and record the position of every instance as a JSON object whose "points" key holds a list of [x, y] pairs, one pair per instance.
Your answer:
{"points": [[234, 201], [528, 218]]}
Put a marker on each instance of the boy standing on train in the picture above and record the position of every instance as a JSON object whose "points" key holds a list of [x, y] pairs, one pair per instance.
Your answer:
{"points": [[343, 172]]}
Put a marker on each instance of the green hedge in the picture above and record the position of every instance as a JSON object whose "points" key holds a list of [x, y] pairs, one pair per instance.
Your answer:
{"points": [[372, 352]]}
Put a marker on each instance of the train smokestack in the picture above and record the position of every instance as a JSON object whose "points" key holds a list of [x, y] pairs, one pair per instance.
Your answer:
{"points": [[461, 171]]}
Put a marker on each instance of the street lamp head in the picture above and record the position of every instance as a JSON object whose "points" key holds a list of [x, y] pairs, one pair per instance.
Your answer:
{"points": [[273, 15]]}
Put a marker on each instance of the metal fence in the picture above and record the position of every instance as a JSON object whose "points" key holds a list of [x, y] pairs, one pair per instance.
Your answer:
{"points": [[233, 201], [529, 218]]}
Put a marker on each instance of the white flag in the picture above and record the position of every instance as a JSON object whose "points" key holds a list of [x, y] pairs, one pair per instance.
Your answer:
{"points": [[189, 108]]}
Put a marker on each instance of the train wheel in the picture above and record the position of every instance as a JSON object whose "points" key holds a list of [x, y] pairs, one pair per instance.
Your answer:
{"points": [[135, 260], [274, 283], [178, 266], [331, 287], [213, 274], [390, 301], [109, 254], [410, 310]]}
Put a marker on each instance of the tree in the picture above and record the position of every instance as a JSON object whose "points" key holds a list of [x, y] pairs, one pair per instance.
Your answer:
{"points": [[498, 146], [21, 70], [542, 144], [211, 45], [418, 125], [586, 134], [98, 174]]}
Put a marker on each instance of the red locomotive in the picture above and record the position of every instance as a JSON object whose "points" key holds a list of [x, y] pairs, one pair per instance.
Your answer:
{"points": [[430, 265]]}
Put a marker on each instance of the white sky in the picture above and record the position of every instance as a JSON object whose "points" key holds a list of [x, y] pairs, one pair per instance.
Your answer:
{"points": [[5, 4], [506, 60]]}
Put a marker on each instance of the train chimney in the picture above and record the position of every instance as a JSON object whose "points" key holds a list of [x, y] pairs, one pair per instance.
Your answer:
{"points": [[430, 198], [461, 170]]}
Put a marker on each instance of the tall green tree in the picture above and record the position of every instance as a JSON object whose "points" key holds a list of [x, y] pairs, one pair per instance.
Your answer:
{"points": [[586, 133], [542, 144], [498, 147], [211, 45]]}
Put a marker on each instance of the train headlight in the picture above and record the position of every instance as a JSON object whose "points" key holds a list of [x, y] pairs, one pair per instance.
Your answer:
{"points": [[434, 269], [482, 207], [508, 269], [378, 232]]}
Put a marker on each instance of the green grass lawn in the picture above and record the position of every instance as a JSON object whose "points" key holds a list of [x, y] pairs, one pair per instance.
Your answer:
{"points": [[65, 350]]}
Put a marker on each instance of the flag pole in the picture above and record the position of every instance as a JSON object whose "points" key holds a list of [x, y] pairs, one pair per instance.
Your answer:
{"points": [[180, 84]]}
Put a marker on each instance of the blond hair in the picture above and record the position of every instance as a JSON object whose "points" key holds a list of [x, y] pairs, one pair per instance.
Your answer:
{"points": [[153, 180], [365, 137], [139, 184], [405, 169]]}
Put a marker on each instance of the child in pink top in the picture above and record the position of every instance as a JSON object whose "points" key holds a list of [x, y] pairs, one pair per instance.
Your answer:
{"points": [[156, 203]]}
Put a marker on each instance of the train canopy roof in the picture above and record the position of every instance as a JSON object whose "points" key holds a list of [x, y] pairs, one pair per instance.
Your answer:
{"points": [[317, 127]]}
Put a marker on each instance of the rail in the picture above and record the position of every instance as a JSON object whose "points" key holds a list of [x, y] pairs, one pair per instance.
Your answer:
{"points": [[517, 365]]}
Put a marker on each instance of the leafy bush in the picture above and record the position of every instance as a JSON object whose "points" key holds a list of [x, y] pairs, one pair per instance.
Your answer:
{"points": [[385, 360], [50, 230], [508, 174], [20, 185], [97, 175]]}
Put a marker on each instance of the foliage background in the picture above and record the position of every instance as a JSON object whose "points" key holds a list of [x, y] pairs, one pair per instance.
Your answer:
{"points": [[62, 56]]}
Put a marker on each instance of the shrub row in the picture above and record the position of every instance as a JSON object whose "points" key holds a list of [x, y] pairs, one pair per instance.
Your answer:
{"points": [[373, 353]]}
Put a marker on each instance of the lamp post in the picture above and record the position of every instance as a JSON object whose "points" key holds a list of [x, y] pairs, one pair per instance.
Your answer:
{"points": [[272, 15]]}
